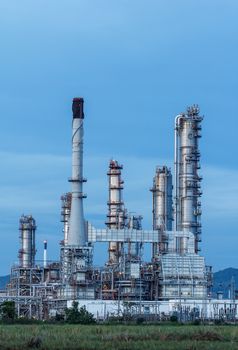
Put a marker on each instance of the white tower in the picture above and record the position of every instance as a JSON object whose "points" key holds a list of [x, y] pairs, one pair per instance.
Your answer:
{"points": [[77, 231]]}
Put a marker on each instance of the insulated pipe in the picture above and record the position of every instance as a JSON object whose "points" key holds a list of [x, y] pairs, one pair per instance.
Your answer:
{"points": [[77, 231], [176, 164]]}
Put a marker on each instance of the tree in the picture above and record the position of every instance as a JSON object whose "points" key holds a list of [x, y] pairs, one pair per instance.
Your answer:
{"points": [[76, 315], [7, 311]]}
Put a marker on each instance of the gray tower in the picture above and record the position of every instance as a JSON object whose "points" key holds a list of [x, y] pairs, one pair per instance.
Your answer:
{"points": [[27, 251], [162, 206], [187, 179]]}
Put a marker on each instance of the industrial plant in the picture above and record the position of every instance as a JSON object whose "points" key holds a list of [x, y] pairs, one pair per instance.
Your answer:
{"points": [[175, 277]]}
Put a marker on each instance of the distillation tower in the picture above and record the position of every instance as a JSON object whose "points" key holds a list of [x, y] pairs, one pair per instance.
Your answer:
{"points": [[27, 252], [116, 212], [162, 207], [65, 214], [187, 179]]}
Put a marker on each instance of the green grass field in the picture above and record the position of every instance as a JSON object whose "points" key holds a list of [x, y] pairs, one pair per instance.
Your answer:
{"points": [[123, 337]]}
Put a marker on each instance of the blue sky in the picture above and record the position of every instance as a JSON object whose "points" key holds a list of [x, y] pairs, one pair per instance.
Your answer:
{"points": [[137, 64]]}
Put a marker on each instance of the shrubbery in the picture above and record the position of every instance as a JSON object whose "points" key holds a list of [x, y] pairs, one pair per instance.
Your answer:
{"points": [[80, 316], [7, 311]]}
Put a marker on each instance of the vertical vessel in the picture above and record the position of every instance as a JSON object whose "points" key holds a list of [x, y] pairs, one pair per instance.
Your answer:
{"points": [[134, 223], [162, 206], [27, 251], [187, 179], [65, 214], [116, 212]]}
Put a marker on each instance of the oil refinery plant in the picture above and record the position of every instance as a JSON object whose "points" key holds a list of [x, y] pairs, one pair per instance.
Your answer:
{"points": [[175, 276]]}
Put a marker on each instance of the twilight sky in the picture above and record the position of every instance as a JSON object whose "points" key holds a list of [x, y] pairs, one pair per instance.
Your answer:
{"points": [[137, 63]]}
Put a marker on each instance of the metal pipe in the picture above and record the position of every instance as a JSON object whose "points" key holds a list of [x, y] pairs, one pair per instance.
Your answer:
{"points": [[176, 163]]}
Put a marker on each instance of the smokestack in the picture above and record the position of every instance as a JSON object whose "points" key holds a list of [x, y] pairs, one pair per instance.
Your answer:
{"points": [[77, 231], [45, 253]]}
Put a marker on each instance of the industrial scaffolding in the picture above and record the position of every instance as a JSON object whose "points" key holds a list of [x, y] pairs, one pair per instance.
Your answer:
{"points": [[175, 271]]}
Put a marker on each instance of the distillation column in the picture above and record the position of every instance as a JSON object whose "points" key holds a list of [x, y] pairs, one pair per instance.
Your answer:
{"points": [[116, 212], [187, 179], [65, 214], [134, 222], [162, 206], [27, 251]]}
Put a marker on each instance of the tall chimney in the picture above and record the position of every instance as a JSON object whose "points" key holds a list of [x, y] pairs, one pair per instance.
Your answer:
{"points": [[77, 231], [45, 254]]}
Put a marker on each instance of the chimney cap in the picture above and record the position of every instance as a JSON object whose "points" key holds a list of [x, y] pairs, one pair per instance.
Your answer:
{"points": [[77, 107]]}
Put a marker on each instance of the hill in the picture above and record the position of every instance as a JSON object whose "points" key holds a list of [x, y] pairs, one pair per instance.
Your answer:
{"points": [[4, 281], [222, 280]]}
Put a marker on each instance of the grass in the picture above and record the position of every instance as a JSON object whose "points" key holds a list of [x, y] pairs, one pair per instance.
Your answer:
{"points": [[122, 337]]}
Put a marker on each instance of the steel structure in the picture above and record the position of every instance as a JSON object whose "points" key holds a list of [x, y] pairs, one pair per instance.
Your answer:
{"points": [[187, 179], [27, 252], [65, 214], [116, 212], [162, 206], [134, 249], [175, 271], [76, 253]]}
